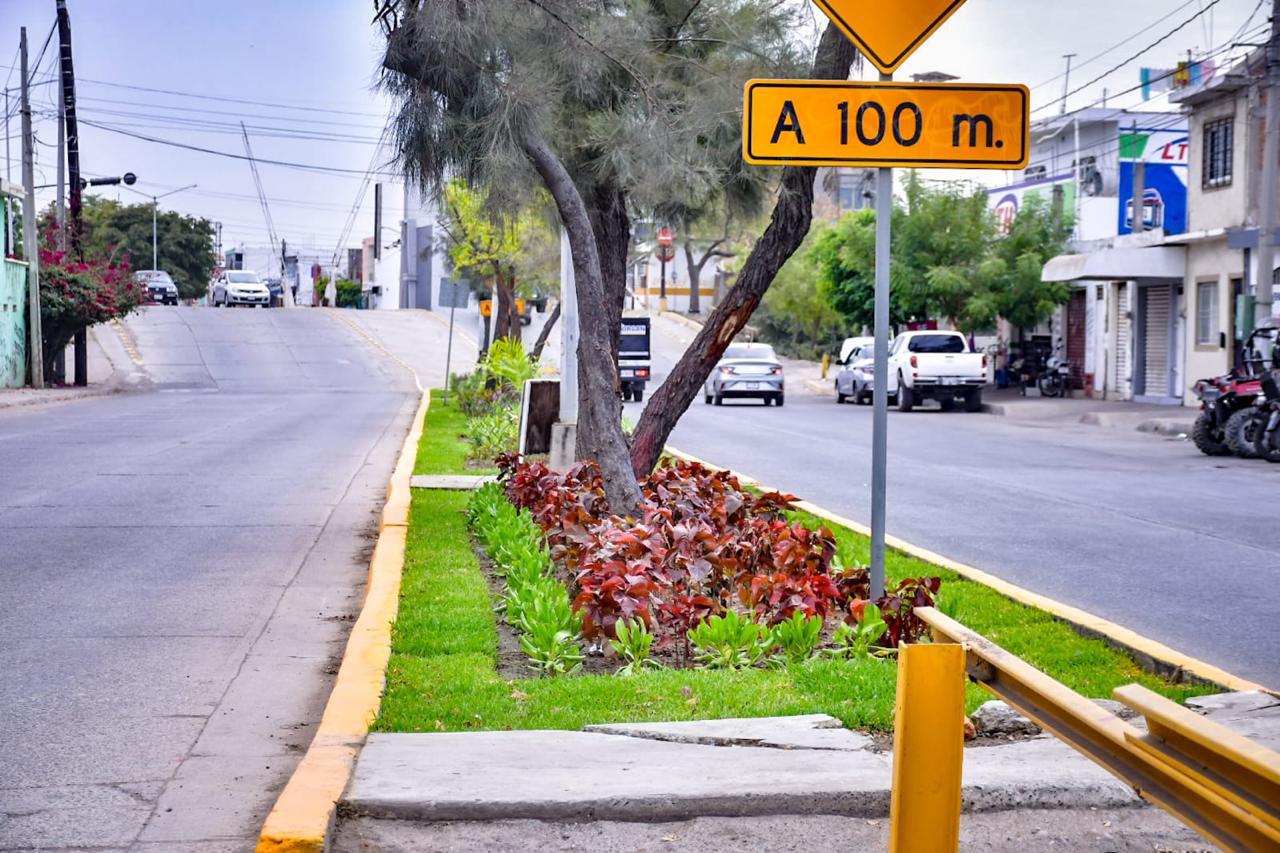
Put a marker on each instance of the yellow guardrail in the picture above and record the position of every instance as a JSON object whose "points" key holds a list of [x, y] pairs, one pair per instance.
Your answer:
{"points": [[1223, 785]]}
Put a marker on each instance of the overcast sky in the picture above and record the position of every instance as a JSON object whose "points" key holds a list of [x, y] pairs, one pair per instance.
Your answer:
{"points": [[311, 65]]}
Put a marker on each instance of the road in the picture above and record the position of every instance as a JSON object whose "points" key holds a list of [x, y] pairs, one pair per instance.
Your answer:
{"points": [[1138, 529], [180, 566]]}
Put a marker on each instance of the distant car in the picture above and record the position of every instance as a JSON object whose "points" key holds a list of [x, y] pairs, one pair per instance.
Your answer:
{"points": [[855, 379], [160, 286], [239, 287], [746, 371], [850, 344], [275, 287]]}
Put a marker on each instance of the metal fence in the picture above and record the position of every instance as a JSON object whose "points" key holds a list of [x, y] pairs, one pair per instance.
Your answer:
{"points": [[1221, 784]]}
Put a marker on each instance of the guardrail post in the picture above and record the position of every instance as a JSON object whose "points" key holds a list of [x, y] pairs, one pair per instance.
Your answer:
{"points": [[928, 749]]}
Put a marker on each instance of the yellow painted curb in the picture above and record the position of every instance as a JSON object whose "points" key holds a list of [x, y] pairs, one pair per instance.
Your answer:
{"points": [[302, 817], [1150, 654]]}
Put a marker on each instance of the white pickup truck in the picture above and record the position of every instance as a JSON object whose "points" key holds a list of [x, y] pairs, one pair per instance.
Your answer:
{"points": [[936, 366]]}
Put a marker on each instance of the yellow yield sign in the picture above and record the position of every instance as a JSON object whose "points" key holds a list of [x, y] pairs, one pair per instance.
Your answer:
{"points": [[920, 125], [888, 32]]}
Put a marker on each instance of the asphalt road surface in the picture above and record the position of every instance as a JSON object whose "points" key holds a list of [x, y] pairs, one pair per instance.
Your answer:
{"points": [[1139, 529], [179, 568]]}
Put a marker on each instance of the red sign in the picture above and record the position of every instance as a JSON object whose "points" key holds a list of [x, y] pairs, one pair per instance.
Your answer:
{"points": [[667, 253], [666, 236]]}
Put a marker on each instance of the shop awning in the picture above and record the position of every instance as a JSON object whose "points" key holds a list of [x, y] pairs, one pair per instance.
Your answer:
{"points": [[1154, 263]]}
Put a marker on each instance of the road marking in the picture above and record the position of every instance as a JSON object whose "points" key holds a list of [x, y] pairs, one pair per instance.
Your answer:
{"points": [[375, 343], [126, 338], [1150, 654]]}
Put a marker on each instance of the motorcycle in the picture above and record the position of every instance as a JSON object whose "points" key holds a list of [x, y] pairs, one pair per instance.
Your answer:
{"points": [[1266, 441], [1226, 421], [1055, 381]]}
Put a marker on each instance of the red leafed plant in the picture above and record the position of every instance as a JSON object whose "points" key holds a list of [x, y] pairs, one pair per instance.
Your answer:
{"points": [[897, 608], [702, 545]]}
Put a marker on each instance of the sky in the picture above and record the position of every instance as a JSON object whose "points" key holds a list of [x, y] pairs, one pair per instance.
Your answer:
{"points": [[301, 75]]}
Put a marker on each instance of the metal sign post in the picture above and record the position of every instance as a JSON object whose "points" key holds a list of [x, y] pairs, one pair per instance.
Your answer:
{"points": [[880, 391], [455, 293], [883, 125]]}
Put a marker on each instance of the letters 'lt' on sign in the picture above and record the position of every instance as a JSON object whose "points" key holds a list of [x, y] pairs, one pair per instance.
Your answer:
{"points": [[918, 125], [888, 32]]}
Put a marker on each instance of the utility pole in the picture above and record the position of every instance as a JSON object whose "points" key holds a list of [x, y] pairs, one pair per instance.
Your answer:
{"points": [[1139, 186], [8, 176], [73, 167], [29, 237], [1066, 84], [62, 174], [1264, 289]]}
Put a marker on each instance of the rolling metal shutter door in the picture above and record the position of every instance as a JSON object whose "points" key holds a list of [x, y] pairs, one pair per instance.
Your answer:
{"points": [[1156, 341], [1122, 339]]}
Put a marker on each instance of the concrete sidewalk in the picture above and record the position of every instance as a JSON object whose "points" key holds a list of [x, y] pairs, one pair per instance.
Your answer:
{"points": [[111, 370], [805, 768], [1116, 414]]}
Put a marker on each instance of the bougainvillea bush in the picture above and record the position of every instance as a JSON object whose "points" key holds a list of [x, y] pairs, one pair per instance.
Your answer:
{"points": [[76, 293], [702, 547]]}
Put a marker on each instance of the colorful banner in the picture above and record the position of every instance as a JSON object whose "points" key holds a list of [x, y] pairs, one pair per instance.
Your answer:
{"points": [[1187, 75]]}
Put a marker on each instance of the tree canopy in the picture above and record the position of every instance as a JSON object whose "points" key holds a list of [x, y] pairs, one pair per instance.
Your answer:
{"points": [[184, 243], [949, 260]]}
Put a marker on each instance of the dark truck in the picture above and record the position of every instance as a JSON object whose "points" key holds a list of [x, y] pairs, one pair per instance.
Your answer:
{"points": [[633, 357]]}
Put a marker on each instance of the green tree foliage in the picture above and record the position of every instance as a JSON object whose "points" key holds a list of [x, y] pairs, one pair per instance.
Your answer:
{"points": [[798, 316], [184, 243], [949, 260]]}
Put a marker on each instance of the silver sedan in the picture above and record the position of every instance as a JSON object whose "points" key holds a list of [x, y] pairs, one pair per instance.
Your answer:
{"points": [[746, 371]]}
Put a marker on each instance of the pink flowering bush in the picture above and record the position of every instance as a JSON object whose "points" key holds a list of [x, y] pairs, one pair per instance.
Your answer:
{"points": [[76, 294]]}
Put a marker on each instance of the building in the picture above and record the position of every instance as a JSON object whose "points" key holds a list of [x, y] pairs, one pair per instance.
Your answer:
{"points": [[1226, 133], [1120, 328], [13, 295]]}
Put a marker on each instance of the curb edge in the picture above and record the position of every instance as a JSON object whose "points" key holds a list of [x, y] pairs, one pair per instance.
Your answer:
{"points": [[303, 815]]}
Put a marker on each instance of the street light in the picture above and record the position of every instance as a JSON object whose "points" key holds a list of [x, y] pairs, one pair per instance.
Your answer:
{"points": [[155, 203]]}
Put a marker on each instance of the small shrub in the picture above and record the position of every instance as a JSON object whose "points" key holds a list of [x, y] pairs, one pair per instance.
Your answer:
{"points": [[471, 394], [797, 637], [493, 434], [729, 641], [853, 641], [635, 645], [898, 609], [508, 363]]}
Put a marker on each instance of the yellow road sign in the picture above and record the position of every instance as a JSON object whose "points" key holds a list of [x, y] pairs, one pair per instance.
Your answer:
{"points": [[887, 33], [922, 125]]}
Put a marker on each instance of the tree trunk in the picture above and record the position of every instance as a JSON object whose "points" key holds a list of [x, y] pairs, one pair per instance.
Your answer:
{"points": [[501, 305], [695, 276], [513, 309], [792, 216], [598, 403], [607, 211], [536, 352]]}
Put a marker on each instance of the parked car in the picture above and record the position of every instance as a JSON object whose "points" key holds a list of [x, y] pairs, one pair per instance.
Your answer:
{"points": [[159, 285], [850, 344], [239, 287], [855, 379], [936, 366], [746, 371]]}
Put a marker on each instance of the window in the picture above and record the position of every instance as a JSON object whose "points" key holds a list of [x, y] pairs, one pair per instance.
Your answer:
{"points": [[1219, 144], [1207, 313], [938, 344]]}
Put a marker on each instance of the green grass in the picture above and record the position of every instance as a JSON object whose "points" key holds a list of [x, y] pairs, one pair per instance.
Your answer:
{"points": [[442, 450], [442, 675]]}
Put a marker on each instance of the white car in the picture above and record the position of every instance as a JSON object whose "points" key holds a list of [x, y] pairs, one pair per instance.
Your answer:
{"points": [[239, 287], [851, 344], [936, 365], [746, 371], [856, 378]]}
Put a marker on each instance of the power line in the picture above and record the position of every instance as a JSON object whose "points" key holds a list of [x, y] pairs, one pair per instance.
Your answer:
{"points": [[1137, 55], [307, 167]]}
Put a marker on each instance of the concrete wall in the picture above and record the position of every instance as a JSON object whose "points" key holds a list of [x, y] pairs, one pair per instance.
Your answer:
{"points": [[1228, 206], [13, 331], [1209, 261]]}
